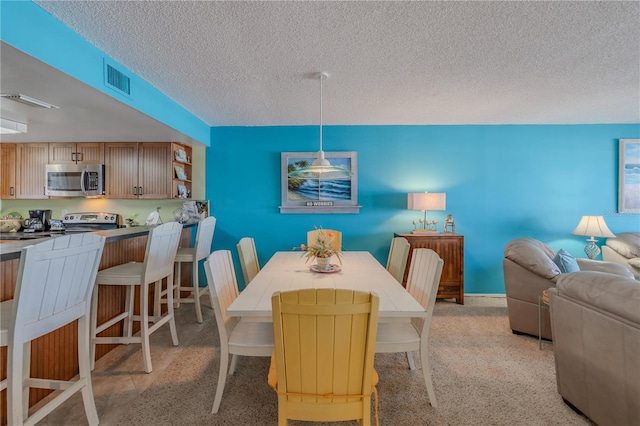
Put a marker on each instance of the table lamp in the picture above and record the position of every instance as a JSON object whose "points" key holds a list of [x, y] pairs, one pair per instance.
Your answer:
{"points": [[592, 226], [426, 201]]}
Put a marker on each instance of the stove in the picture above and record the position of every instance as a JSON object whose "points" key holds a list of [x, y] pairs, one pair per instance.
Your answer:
{"points": [[89, 221]]}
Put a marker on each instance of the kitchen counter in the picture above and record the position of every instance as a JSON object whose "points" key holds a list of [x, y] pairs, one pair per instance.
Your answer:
{"points": [[10, 249], [122, 245]]}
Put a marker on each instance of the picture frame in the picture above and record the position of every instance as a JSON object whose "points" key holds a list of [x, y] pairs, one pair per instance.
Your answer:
{"points": [[181, 155], [306, 190], [180, 174], [182, 191], [629, 176]]}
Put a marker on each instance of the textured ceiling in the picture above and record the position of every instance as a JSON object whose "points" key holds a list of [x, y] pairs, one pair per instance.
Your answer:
{"points": [[249, 63]]}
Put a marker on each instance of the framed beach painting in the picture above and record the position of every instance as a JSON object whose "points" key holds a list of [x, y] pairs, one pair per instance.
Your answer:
{"points": [[629, 176], [311, 189]]}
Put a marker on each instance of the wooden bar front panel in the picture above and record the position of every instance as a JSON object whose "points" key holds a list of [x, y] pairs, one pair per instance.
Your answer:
{"points": [[54, 355]]}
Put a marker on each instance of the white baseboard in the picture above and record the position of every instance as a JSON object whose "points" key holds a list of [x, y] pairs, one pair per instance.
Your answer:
{"points": [[484, 295]]}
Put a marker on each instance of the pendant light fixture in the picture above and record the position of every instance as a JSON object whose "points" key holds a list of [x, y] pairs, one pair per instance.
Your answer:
{"points": [[321, 168], [320, 161]]}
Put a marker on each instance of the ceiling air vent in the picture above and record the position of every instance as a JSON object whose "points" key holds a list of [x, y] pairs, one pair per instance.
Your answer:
{"points": [[116, 80]]}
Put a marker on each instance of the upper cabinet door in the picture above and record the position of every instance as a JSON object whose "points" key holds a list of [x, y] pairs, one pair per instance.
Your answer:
{"points": [[90, 153], [31, 159], [8, 171], [154, 170], [76, 153], [121, 170]]}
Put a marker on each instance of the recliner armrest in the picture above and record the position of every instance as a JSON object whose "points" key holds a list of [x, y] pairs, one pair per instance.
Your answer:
{"points": [[608, 267]]}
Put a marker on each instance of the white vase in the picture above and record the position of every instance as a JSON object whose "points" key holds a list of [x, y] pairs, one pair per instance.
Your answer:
{"points": [[323, 263]]}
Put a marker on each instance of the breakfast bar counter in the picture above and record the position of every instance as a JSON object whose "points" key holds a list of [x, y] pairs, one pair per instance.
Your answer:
{"points": [[122, 245]]}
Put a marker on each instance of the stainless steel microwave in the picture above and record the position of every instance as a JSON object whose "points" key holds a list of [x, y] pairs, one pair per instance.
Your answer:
{"points": [[74, 180]]}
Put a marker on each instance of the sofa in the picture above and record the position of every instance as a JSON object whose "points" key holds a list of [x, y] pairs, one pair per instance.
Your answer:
{"points": [[595, 319], [529, 268], [625, 250]]}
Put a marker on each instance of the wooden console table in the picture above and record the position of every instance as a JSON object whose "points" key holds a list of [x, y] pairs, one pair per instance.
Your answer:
{"points": [[450, 247]]}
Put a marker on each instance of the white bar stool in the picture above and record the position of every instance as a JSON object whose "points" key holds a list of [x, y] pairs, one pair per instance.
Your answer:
{"points": [[162, 245], [54, 286], [193, 255]]}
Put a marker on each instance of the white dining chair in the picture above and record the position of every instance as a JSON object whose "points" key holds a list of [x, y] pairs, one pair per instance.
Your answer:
{"points": [[237, 338], [422, 283], [162, 245], [397, 261], [53, 289], [193, 255], [248, 259]]}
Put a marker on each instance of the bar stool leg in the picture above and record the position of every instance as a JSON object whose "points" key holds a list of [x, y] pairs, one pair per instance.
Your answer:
{"points": [[144, 326], [171, 312], [177, 284], [196, 290]]}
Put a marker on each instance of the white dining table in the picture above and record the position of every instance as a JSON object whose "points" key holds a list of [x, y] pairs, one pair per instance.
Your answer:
{"points": [[359, 270]]}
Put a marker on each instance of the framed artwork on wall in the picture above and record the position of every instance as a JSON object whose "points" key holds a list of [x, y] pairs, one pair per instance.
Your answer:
{"points": [[309, 189], [629, 176]]}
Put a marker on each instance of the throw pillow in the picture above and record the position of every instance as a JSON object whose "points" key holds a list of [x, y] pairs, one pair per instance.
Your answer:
{"points": [[566, 262]]}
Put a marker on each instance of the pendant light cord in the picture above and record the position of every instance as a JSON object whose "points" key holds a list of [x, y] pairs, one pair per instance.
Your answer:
{"points": [[321, 78]]}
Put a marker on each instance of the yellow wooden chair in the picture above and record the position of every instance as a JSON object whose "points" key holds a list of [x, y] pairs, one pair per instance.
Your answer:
{"points": [[312, 237], [397, 261], [322, 366]]}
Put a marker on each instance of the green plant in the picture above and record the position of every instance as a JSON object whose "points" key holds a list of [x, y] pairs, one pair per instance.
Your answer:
{"points": [[323, 246]]}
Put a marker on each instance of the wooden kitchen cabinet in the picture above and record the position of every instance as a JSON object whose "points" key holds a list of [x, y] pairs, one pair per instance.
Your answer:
{"points": [[31, 159], [8, 172], [450, 248], [138, 170], [76, 153], [181, 164]]}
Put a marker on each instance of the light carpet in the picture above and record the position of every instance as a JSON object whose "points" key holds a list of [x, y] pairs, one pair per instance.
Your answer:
{"points": [[482, 373]]}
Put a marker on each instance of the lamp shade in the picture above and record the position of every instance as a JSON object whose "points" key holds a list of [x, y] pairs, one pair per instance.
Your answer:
{"points": [[426, 201], [592, 226]]}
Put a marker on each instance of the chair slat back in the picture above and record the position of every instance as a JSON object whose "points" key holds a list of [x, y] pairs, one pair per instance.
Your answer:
{"points": [[397, 261], [204, 237], [162, 246], [248, 259], [423, 281], [312, 237], [55, 282], [221, 277], [324, 343]]}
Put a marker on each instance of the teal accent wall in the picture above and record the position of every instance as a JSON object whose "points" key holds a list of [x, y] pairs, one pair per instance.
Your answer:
{"points": [[502, 182], [29, 28]]}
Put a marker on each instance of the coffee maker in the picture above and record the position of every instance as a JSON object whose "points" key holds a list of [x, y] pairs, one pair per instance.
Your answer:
{"points": [[38, 221]]}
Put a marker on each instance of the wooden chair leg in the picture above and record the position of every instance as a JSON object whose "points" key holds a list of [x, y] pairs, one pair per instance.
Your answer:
{"points": [[222, 378]]}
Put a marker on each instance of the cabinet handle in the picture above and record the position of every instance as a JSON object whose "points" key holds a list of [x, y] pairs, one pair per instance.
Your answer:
{"points": [[140, 191], [73, 156], [11, 190], [135, 190], [79, 156]]}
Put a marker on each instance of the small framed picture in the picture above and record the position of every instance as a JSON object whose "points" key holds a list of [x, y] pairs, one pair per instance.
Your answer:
{"points": [[180, 174], [629, 176], [181, 155], [182, 191]]}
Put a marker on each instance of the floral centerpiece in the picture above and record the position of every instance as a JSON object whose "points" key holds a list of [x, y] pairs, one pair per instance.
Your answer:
{"points": [[321, 249]]}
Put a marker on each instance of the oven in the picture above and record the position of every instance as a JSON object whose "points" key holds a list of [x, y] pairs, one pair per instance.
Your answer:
{"points": [[91, 221]]}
